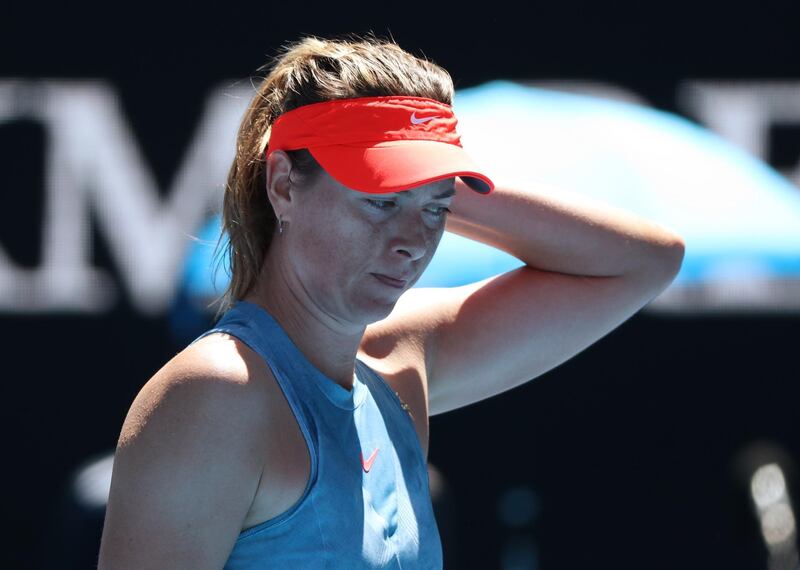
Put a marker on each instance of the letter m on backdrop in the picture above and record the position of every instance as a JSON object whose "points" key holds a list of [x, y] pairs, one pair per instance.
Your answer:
{"points": [[94, 167]]}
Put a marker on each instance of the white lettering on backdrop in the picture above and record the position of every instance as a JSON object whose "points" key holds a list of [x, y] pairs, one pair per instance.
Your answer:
{"points": [[93, 167]]}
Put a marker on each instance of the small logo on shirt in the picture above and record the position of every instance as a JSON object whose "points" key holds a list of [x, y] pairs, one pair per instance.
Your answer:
{"points": [[367, 465], [404, 405], [417, 121]]}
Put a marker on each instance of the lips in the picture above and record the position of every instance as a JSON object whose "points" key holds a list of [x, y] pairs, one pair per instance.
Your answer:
{"points": [[394, 280]]}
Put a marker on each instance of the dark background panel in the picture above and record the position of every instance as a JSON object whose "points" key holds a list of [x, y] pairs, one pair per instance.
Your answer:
{"points": [[629, 448]]}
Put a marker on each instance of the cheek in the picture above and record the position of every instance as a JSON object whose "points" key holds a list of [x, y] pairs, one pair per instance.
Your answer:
{"points": [[434, 240], [336, 248]]}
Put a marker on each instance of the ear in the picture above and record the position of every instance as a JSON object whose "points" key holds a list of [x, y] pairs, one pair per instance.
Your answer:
{"points": [[279, 166]]}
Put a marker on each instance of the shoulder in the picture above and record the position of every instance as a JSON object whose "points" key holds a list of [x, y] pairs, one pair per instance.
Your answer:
{"points": [[223, 361], [217, 379], [398, 349], [188, 462], [407, 331]]}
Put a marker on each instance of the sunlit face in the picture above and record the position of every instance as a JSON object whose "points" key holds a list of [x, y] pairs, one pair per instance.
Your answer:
{"points": [[339, 238]]}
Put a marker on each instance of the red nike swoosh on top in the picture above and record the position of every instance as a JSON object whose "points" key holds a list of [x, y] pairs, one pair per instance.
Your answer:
{"points": [[367, 465]]}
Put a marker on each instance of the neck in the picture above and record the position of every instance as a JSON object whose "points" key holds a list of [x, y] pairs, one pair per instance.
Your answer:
{"points": [[328, 342]]}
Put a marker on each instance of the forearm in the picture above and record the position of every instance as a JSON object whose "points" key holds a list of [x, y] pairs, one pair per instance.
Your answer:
{"points": [[563, 232]]}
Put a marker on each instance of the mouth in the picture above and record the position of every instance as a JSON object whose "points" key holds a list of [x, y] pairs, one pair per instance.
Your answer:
{"points": [[396, 283]]}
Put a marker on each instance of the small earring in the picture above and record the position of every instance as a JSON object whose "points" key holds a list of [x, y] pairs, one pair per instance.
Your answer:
{"points": [[280, 225]]}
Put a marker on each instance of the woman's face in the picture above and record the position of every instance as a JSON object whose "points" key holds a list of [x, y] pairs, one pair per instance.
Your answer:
{"points": [[339, 238]]}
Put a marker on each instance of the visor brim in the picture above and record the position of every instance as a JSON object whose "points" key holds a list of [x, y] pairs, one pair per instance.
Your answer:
{"points": [[394, 166]]}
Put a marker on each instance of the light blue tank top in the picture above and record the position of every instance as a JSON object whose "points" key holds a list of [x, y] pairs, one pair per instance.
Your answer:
{"points": [[367, 503]]}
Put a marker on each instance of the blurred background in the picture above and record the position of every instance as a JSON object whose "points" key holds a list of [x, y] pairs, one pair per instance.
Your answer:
{"points": [[670, 443]]}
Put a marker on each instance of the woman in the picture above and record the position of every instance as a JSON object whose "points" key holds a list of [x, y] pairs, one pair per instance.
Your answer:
{"points": [[294, 433]]}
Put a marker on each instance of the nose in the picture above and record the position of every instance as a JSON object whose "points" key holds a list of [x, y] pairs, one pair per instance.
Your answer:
{"points": [[413, 239]]}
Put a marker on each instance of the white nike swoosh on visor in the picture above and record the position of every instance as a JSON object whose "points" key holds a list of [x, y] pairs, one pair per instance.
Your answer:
{"points": [[416, 121]]}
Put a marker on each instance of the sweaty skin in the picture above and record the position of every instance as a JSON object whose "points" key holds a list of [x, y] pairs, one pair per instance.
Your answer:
{"points": [[316, 279]]}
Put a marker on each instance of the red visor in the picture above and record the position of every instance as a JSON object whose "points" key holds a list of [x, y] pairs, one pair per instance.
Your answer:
{"points": [[380, 144]]}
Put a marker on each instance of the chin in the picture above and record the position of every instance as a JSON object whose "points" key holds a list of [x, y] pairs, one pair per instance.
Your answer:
{"points": [[379, 312]]}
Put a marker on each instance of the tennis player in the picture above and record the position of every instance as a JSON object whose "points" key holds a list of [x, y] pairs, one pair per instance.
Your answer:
{"points": [[293, 434]]}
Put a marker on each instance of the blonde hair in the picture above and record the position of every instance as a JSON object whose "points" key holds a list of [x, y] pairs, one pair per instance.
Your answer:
{"points": [[308, 70]]}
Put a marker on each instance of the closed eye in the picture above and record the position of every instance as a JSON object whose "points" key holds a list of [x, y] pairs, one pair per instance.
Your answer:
{"points": [[442, 212], [380, 203], [388, 204]]}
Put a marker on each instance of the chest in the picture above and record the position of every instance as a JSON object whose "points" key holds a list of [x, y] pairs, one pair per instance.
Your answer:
{"points": [[287, 458]]}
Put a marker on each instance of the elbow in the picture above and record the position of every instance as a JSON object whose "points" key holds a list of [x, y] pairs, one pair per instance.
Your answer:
{"points": [[660, 262], [676, 250], [667, 261]]}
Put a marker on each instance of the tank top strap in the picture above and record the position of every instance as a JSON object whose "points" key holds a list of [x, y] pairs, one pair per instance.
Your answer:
{"points": [[257, 328]]}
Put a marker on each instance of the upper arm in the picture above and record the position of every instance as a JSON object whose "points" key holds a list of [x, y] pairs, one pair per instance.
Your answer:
{"points": [[508, 329], [186, 469], [484, 338]]}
